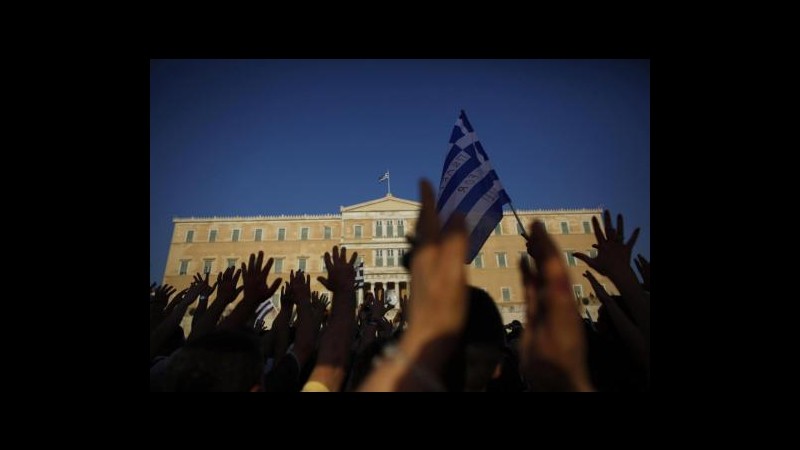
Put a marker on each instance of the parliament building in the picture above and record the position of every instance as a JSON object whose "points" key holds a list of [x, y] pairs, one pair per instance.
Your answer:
{"points": [[376, 229]]}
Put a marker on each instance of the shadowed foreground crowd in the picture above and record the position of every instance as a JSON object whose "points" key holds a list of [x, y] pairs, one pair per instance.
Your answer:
{"points": [[448, 336]]}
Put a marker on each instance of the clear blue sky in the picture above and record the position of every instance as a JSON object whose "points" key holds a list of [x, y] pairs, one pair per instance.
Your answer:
{"points": [[240, 137]]}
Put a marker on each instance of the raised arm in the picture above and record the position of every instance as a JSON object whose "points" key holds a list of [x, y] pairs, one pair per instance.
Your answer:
{"points": [[334, 349]]}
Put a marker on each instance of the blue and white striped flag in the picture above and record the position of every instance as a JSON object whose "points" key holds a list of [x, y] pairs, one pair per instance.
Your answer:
{"points": [[470, 186], [384, 177], [360, 275]]}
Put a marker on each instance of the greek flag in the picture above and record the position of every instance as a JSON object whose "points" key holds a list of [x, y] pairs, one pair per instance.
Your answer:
{"points": [[470, 186], [360, 275], [262, 310], [384, 177]]}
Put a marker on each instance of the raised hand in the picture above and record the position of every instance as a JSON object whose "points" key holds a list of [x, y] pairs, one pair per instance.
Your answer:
{"points": [[614, 261], [630, 334], [161, 295], [205, 291], [643, 266], [613, 254], [226, 285], [254, 277], [379, 308], [319, 305], [553, 346], [256, 290], [162, 332], [226, 294], [300, 289], [341, 272], [334, 349], [438, 309]]}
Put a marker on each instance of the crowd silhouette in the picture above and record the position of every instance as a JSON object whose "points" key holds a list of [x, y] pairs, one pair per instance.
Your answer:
{"points": [[448, 336]]}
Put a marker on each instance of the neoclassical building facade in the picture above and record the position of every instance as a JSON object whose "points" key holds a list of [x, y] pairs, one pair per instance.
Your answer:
{"points": [[376, 229]]}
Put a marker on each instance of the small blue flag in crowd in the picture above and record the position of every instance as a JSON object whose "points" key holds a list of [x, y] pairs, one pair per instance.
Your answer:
{"points": [[470, 186], [360, 275]]}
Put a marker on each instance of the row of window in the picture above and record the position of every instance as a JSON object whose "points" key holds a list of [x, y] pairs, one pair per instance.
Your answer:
{"points": [[390, 257], [587, 228], [502, 262], [258, 234], [382, 257], [277, 267], [380, 226], [305, 232]]}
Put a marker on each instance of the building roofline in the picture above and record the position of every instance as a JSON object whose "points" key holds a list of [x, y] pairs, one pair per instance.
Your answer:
{"points": [[554, 211], [378, 200], [598, 210], [251, 218]]}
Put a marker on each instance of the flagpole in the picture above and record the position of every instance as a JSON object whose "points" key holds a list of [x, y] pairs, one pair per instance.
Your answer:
{"points": [[525, 235], [388, 183]]}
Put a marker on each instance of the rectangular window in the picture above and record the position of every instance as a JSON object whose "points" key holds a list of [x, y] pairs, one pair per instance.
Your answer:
{"points": [[327, 232], [390, 257], [564, 228], [587, 227], [258, 234], [506, 294], [379, 229], [400, 228], [231, 262], [570, 258], [207, 265], [378, 258], [235, 237], [400, 253], [281, 234], [578, 289], [501, 260], [592, 253], [322, 267], [184, 267], [301, 264], [190, 236], [278, 265], [498, 230], [304, 234], [358, 231], [478, 261], [389, 229], [212, 236]]}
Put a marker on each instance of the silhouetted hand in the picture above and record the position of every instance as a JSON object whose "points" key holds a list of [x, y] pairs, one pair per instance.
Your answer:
{"points": [[226, 285], [643, 266], [226, 294], [553, 346], [300, 289], [379, 308], [334, 349], [319, 305], [254, 277], [205, 291], [162, 295], [613, 254], [341, 272], [629, 333], [256, 290], [307, 325], [614, 261]]}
